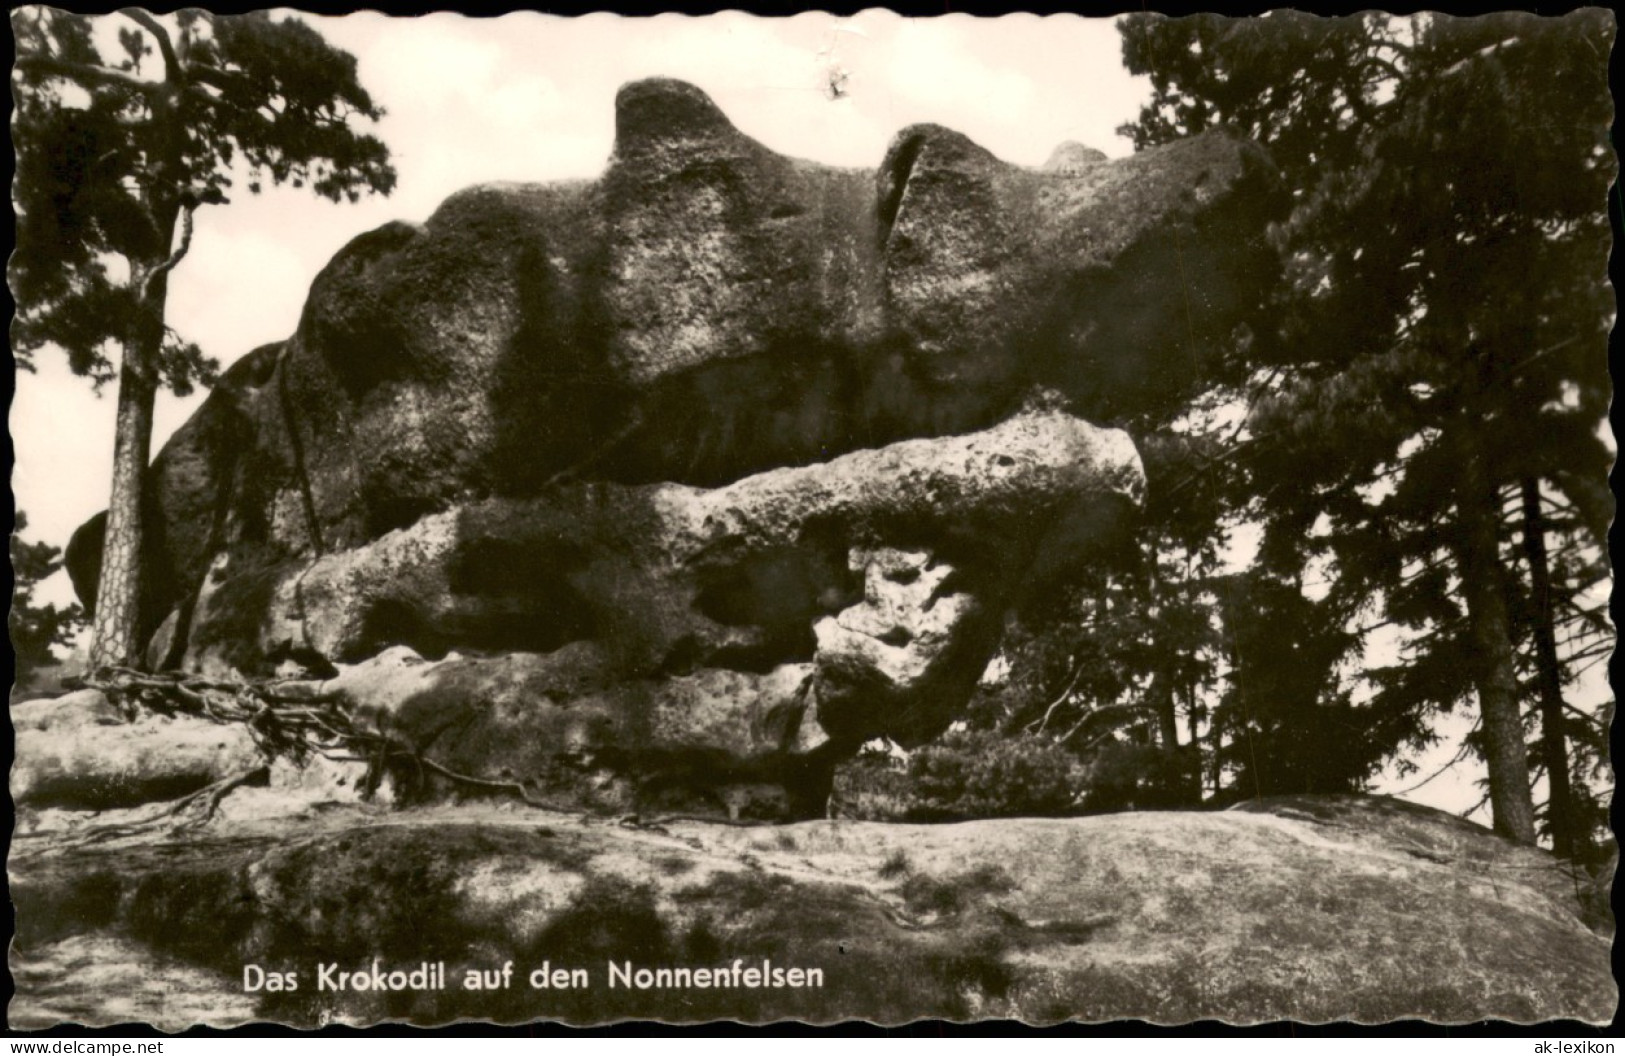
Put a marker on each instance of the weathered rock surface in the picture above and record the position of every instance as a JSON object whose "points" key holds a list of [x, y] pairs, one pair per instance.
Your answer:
{"points": [[663, 568], [213, 480], [706, 310], [912, 647], [681, 414], [1307, 909], [654, 496], [78, 751], [568, 729], [1072, 159], [664, 584]]}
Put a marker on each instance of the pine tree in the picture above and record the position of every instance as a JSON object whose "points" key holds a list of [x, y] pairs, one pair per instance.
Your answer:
{"points": [[115, 151], [35, 629], [1445, 301]]}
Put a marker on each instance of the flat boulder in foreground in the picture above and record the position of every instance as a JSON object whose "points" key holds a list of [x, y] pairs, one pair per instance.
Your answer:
{"points": [[717, 413], [1311, 909]]}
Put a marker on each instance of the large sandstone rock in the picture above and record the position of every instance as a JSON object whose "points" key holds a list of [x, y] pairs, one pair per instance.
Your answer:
{"points": [[706, 310], [1305, 909], [78, 751], [213, 486], [569, 730], [718, 413], [667, 584], [657, 568]]}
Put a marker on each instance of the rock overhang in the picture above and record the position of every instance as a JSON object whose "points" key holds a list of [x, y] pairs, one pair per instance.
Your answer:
{"points": [[690, 409]]}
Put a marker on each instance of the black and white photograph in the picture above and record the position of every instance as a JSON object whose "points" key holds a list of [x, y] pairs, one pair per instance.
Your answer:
{"points": [[811, 520]]}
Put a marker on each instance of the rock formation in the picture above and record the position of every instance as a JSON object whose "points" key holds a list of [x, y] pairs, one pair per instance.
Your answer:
{"points": [[655, 497], [1311, 909], [720, 464]]}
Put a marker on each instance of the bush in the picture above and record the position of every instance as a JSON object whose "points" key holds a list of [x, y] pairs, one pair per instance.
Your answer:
{"points": [[970, 774], [985, 774], [1128, 775]]}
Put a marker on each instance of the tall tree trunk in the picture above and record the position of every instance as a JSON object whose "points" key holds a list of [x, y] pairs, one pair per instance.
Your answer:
{"points": [[1489, 627], [1161, 692], [118, 593], [1187, 788], [1215, 775], [115, 637], [1193, 737], [1560, 814]]}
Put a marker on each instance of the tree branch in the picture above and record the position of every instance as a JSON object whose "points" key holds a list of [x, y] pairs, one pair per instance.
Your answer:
{"points": [[166, 46], [87, 76], [1104, 709], [174, 258], [1542, 354], [1460, 755]]}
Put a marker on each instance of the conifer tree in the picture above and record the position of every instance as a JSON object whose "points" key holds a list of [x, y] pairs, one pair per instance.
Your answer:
{"points": [[35, 629], [1441, 331], [123, 126]]}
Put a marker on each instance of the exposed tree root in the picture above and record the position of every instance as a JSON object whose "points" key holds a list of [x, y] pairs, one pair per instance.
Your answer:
{"points": [[284, 721]]}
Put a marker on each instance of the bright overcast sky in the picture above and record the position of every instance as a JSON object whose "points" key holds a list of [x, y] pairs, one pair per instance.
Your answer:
{"points": [[531, 97]]}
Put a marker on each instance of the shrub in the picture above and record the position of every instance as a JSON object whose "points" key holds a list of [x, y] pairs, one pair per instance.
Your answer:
{"points": [[970, 774], [985, 774]]}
